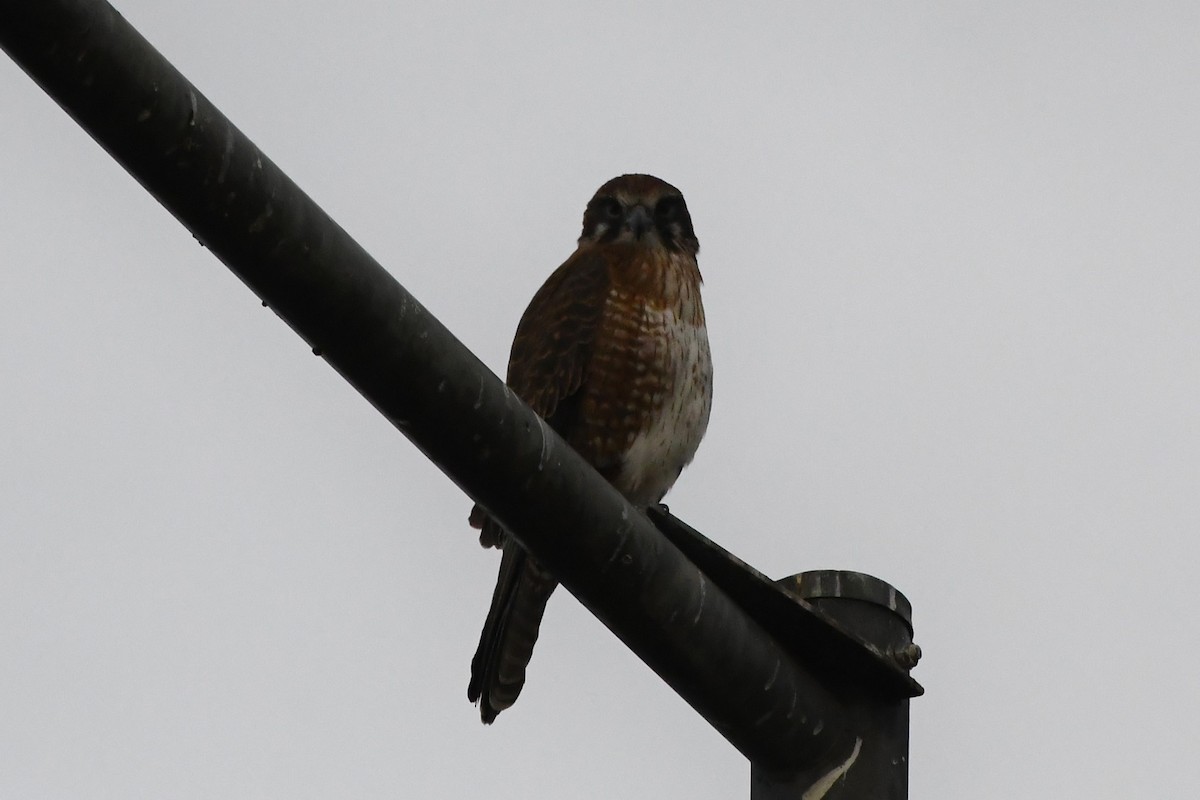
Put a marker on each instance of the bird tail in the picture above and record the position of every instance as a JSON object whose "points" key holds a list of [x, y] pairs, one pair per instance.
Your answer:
{"points": [[506, 644]]}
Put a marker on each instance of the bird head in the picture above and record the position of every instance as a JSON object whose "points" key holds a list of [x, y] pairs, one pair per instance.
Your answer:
{"points": [[639, 210]]}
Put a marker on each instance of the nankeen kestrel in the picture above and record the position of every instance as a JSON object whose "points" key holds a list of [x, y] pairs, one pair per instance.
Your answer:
{"points": [[613, 353]]}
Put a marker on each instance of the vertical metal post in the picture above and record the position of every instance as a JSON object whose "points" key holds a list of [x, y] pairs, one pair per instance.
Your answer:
{"points": [[874, 766]]}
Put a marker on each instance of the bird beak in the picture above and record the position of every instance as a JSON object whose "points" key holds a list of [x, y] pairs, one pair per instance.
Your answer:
{"points": [[638, 221]]}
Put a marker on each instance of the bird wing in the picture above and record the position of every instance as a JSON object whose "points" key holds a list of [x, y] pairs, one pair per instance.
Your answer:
{"points": [[556, 335], [550, 353]]}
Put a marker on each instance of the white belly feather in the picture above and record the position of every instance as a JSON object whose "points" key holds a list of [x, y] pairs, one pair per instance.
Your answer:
{"points": [[660, 451]]}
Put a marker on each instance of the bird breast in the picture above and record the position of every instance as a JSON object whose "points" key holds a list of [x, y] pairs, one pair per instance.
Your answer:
{"points": [[660, 372]]}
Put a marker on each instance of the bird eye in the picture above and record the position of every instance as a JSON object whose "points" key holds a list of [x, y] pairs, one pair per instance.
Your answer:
{"points": [[668, 208], [611, 208]]}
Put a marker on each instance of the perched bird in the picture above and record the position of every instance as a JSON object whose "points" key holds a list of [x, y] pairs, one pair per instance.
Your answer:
{"points": [[613, 353]]}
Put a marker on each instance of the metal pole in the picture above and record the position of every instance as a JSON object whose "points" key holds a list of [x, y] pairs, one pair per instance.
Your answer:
{"points": [[320, 281], [875, 764]]}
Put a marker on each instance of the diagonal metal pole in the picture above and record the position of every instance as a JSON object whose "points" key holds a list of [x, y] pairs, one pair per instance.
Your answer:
{"points": [[392, 350]]}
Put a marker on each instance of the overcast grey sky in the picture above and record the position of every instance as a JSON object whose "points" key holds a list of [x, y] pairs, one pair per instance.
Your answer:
{"points": [[951, 257]]}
